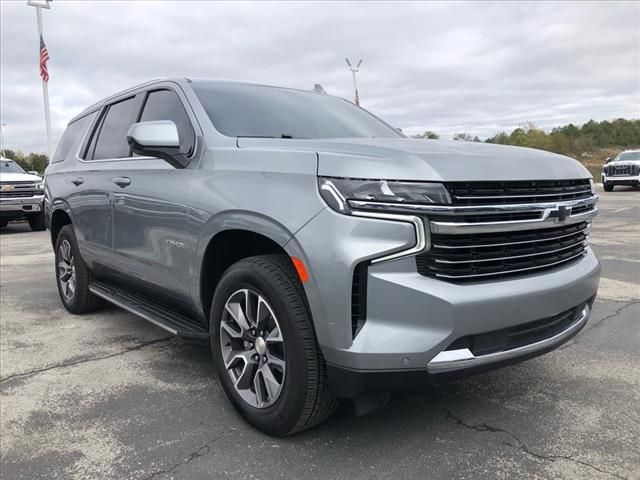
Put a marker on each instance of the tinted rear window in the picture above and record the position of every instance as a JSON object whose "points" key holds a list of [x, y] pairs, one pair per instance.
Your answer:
{"points": [[112, 137], [238, 110], [71, 138]]}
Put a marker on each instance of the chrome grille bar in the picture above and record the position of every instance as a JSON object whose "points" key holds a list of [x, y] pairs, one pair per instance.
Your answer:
{"points": [[507, 272], [545, 221], [584, 231], [498, 259]]}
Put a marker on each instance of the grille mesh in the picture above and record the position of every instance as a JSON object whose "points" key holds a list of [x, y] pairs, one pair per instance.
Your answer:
{"points": [[504, 193]]}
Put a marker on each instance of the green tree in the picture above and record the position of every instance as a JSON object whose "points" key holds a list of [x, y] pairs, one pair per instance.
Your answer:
{"points": [[38, 162]]}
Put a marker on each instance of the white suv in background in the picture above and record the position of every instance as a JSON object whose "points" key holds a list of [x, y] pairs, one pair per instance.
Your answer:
{"points": [[622, 170]]}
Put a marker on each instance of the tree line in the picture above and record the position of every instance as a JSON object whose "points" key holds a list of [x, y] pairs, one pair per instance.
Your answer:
{"points": [[567, 140]]}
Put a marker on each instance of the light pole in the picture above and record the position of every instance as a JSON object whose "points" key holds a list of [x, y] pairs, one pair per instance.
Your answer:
{"points": [[355, 85], [2, 139], [45, 82]]}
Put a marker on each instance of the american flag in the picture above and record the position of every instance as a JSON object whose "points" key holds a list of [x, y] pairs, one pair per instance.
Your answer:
{"points": [[44, 56], [357, 98]]}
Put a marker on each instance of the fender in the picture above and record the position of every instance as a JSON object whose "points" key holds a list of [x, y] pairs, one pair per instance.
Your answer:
{"points": [[233, 220]]}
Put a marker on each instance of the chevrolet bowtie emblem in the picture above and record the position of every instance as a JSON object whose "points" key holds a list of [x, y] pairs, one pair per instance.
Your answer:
{"points": [[7, 188], [561, 213]]}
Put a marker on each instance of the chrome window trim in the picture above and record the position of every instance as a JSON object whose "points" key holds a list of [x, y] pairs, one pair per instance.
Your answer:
{"points": [[422, 237], [451, 360]]}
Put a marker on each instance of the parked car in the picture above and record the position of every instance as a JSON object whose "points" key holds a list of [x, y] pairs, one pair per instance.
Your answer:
{"points": [[21, 196], [322, 253], [622, 170]]}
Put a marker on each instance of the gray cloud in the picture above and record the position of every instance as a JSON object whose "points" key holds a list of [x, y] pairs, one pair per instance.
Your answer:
{"points": [[448, 67]]}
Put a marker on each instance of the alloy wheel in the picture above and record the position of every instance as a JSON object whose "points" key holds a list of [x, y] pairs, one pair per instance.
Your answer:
{"points": [[66, 270], [252, 348]]}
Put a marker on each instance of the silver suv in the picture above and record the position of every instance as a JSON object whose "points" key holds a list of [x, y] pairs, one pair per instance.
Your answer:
{"points": [[322, 253]]}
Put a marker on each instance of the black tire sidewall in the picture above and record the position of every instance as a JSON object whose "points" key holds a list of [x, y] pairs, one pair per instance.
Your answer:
{"points": [[281, 417], [77, 303], [37, 222]]}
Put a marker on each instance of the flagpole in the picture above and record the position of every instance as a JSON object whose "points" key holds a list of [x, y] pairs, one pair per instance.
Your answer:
{"points": [[45, 85]]}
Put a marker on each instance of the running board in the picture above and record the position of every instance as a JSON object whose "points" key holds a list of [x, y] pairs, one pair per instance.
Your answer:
{"points": [[164, 318]]}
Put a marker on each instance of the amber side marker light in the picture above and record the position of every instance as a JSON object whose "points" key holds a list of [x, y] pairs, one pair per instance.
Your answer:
{"points": [[300, 268]]}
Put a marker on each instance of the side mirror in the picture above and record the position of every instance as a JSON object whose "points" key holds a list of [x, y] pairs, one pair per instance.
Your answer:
{"points": [[33, 172], [608, 160], [157, 139]]}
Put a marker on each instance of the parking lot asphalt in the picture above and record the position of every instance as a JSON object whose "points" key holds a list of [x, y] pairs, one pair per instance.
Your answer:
{"points": [[109, 395]]}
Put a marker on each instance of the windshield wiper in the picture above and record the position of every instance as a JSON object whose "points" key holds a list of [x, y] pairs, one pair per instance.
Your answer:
{"points": [[282, 135]]}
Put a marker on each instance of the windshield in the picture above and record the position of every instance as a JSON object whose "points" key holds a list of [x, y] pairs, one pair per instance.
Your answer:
{"points": [[7, 166], [628, 156], [238, 110]]}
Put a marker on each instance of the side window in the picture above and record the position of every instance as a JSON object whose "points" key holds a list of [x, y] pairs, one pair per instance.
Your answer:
{"points": [[112, 131], [71, 138], [166, 105]]}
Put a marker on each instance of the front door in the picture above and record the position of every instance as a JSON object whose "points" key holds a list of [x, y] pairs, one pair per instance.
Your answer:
{"points": [[150, 216]]}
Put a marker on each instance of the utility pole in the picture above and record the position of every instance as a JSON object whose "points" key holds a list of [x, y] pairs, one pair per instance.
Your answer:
{"points": [[2, 139], [354, 70], [45, 84]]}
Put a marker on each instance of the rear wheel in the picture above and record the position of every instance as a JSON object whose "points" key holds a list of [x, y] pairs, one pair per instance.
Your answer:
{"points": [[264, 347], [72, 275], [37, 222], [608, 187]]}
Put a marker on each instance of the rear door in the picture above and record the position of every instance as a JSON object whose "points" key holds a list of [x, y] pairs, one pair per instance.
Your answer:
{"points": [[151, 218]]}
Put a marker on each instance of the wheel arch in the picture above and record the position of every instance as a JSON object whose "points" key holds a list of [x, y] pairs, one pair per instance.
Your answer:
{"points": [[60, 216], [230, 238]]}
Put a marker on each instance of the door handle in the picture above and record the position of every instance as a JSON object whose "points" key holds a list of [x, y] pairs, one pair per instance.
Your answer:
{"points": [[77, 181], [122, 181]]}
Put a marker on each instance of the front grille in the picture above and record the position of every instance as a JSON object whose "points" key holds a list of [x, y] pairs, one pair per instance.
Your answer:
{"points": [[490, 256], [520, 335], [614, 170], [517, 192], [18, 190]]}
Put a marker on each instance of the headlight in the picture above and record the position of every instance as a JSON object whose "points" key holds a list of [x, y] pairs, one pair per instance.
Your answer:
{"points": [[593, 186], [341, 193], [40, 186]]}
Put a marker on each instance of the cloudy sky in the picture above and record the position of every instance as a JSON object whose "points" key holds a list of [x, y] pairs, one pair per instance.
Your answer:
{"points": [[448, 67]]}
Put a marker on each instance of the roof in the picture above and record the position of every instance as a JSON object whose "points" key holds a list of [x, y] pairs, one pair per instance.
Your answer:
{"points": [[177, 80]]}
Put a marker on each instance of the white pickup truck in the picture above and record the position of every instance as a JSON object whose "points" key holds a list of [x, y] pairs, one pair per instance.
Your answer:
{"points": [[21, 196]]}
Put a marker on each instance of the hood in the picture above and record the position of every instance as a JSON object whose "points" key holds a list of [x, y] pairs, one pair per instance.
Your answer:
{"points": [[8, 177], [435, 160]]}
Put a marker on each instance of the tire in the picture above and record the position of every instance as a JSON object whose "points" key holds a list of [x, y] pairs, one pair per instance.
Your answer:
{"points": [[74, 293], [303, 399], [37, 222], [608, 187]]}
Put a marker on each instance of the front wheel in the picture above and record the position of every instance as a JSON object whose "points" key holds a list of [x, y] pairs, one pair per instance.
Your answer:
{"points": [[37, 222], [264, 347], [608, 187]]}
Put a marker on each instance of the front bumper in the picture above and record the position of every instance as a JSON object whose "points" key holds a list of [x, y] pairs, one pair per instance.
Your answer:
{"points": [[621, 179], [22, 204], [412, 319]]}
